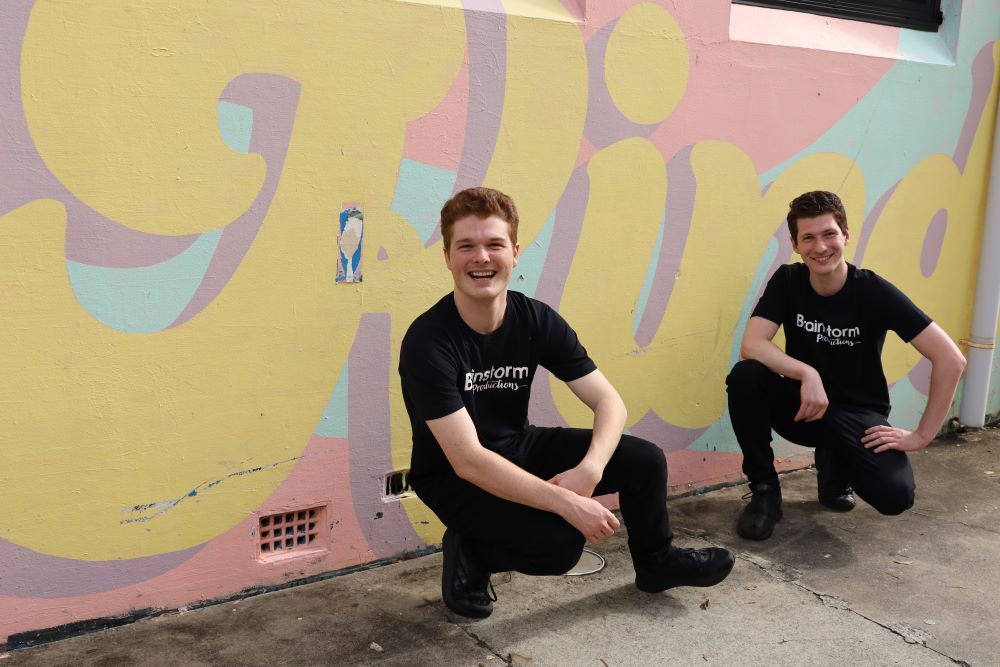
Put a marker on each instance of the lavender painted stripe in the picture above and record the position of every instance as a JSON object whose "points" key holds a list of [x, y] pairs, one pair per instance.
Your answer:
{"points": [[870, 222], [385, 525], [487, 43], [920, 376], [90, 237], [29, 574], [982, 83], [605, 123], [681, 190], [274, 100], [566, 229], [933, 240], [666, 436], [486, 34]]}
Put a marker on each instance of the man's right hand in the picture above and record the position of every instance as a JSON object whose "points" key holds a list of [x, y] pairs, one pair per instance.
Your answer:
{"points": [[813, 398], [591, 518]]}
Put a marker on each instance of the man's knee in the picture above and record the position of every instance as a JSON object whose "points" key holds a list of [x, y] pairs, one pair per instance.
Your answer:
{"points": [[893, 499], [644, 457], [747, 375], [559, 553]]}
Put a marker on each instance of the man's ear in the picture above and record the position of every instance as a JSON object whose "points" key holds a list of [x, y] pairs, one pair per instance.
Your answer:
{"points": [[795, 244], [517, 253], [447, 257]]}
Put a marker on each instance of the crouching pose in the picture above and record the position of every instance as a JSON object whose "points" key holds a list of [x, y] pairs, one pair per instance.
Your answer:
{"points": [[514, 496], [827, 389]]}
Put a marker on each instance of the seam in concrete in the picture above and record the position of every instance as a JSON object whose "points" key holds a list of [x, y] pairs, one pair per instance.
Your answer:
{"points": [[985, 529], [480, 642], [790, 575]]}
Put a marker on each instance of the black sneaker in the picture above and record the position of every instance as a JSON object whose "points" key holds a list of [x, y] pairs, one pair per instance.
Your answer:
{"points": [[683, 567], [465, 587], [833, 490], [757, 520]]}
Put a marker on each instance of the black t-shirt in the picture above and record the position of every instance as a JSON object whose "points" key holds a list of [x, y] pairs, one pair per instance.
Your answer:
{"points": [[445, 366], [841, 335]]}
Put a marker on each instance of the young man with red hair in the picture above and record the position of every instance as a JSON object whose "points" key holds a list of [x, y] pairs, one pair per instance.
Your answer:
{"points": [[514, 496]]}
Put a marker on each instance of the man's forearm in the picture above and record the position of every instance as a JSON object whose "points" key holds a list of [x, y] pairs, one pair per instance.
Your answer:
{"points": [[609, 423], [498, 476], [772, 356], [944, 381]]}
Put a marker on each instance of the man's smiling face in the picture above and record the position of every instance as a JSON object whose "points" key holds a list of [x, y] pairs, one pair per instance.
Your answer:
{"points": [[481, 257], [821, 244]]}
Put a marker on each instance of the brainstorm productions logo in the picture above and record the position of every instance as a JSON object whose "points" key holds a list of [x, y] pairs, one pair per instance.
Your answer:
{"points": [[827, 334], [498, 377]]}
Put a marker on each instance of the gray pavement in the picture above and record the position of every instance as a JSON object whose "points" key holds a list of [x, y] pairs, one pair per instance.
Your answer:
{"points": [[826, 589]]}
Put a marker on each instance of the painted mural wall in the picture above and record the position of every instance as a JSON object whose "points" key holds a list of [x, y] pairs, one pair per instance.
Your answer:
{"points": [[217, 220]]}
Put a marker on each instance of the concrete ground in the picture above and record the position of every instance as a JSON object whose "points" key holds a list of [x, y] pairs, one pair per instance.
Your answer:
{"points": [[826, 589]]}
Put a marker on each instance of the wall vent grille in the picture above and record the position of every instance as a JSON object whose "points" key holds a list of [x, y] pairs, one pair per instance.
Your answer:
{"points": [[289, 531], [397, 485]]}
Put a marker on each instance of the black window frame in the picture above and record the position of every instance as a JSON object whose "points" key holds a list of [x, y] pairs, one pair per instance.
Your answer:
{"points": [[914, 14]]}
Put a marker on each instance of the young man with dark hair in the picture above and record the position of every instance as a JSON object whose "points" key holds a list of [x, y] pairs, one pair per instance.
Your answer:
{"points": [[827, 389], [514, 496]]}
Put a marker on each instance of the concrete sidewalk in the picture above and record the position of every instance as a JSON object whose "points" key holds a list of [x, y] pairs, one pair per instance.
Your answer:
{"points": [[827, 589]]}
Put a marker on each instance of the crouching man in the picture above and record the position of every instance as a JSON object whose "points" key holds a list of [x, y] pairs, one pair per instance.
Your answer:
{"points": [[513, 496], [827, 389]]}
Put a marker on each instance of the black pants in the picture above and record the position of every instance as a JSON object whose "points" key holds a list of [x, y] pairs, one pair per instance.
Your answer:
{"points": [[761, 400], [507, 536]]}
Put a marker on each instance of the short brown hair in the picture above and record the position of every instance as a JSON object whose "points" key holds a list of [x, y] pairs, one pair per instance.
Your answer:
{"points": [[481, 202], [812, 205]]}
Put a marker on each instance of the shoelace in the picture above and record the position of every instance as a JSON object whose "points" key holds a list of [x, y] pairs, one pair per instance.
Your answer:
{"points": [[486, 591]]}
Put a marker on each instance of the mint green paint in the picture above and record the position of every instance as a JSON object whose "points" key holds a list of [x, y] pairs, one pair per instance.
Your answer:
{"points": [[916, 110], [333, 423], [933, 47], [907, 405], [647, 285], [719, 437], [952, 11], [143, 299], [925, 47], [421, 190], [236, 126], [532, 261]]}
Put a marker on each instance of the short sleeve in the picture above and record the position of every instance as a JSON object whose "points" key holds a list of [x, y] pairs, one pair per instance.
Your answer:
{"points": [[559, 347], [428, 374], [773, 302], [895, 310]]}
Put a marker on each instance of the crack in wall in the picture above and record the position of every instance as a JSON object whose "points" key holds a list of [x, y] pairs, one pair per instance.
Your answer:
{"points": [[788, 574]]}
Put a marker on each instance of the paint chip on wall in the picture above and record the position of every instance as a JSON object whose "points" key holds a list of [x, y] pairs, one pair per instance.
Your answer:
{"points": [[350, 233]]}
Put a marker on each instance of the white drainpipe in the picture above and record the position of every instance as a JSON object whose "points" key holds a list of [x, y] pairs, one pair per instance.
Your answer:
{"points": [[982, 337]]}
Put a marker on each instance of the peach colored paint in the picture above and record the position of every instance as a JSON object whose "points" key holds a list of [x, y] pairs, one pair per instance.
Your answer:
{"points": [[437, 137], [227, 563], [743, 105], [704, 469]]}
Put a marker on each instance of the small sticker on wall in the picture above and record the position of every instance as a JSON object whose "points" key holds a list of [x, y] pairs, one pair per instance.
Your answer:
{"points": [[350, 232]]}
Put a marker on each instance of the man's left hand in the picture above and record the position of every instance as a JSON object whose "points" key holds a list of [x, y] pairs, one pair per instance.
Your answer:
{"points": [[885, 437], [581, 480]]}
